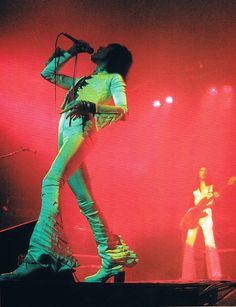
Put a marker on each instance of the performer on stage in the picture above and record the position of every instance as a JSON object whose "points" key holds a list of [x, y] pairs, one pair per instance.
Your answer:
{"points": [[91, 103], [203, 199]]}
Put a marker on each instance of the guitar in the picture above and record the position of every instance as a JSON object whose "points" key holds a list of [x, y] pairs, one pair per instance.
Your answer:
{"points": [[191, 217]]}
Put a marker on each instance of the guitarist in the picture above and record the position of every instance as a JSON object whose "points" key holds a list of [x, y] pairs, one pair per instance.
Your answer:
{"points": [[204, 198]]}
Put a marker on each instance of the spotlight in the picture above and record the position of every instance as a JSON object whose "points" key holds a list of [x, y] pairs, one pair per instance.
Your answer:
{"points": [[169, 99], [227, 96], [213, 91], [227, 89], [157, 104]]}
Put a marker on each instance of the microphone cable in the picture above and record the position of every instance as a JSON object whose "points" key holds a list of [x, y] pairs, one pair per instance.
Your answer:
{"points": [[57, 61]]}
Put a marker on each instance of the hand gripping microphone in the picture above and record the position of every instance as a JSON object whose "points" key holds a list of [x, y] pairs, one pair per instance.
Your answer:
{"points": [[76, 41]]}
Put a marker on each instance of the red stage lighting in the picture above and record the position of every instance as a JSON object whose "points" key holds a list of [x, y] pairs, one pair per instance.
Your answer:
{"points": [[227, 89], [157, 104], [169, 99], [213, 91]]}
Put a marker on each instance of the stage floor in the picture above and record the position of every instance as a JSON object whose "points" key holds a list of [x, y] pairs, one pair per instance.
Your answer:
{"points": [[46, 293]]}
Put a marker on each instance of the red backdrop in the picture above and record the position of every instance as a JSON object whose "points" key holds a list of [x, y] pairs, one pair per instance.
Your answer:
{"points": [[143, 170]]}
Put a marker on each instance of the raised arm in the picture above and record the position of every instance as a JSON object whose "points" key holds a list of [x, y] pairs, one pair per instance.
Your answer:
{"points": [[55, 63], [58, 59]]}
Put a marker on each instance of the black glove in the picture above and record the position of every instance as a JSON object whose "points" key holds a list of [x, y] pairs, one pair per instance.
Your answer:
{"points": [[85, 107], [57, 53], [80, 47], [80, 108]]}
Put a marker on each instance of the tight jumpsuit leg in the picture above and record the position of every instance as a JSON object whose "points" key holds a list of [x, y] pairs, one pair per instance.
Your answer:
{"points": [[212, 256], [47, 245], [188, 267]]}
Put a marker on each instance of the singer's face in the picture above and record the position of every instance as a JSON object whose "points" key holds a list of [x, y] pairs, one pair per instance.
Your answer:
{"points": [[100, 56]]}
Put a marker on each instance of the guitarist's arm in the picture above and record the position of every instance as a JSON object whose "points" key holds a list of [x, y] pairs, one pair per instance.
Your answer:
{"points": [[188, 220], [207, 200]]}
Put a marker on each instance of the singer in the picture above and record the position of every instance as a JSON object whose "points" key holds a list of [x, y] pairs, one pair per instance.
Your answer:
{"points": [[91, 103]]}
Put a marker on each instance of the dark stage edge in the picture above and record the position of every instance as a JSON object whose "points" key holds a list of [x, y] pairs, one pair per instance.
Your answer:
{"points": [[146, 294]]}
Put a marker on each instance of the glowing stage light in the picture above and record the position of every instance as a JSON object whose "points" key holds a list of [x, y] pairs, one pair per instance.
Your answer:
{"points": [[213, 91], [227, 89], [169, 99], [227, 96], [157, 104]]}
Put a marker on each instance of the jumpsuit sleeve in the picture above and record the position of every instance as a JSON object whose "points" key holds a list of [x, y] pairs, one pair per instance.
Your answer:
{"points": [[118, 91], [50, 72]]}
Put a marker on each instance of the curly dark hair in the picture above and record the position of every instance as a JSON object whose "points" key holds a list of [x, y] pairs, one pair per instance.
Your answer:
{"points": [[119, 60]]}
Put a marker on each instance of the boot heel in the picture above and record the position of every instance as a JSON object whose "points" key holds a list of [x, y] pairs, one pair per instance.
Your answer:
{"points": [[120, 277]]}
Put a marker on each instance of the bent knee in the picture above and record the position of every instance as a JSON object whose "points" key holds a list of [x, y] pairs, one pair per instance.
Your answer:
{"points": [[52, 178]]}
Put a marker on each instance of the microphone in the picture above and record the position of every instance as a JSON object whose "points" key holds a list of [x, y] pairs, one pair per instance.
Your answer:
{"points": [[88, 48]]}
